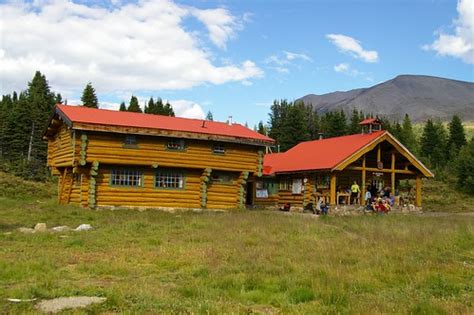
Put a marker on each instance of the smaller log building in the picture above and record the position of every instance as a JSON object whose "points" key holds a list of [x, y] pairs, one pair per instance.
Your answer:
{"points": [[112, 158], [324, 168]]}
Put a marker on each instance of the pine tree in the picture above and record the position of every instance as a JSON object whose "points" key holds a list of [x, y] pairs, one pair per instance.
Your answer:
{"points": [[465, 168], [356, 118], [160, 108], [168, 110], [433, 143], [89, 98], [134, 106], [457, 136], [262, 129], [209, 116], [407, 135], [123, 107], [151, 107]]}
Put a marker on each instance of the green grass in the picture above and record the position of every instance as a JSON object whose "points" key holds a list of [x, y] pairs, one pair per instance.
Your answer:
{"points": [[238, 262]]}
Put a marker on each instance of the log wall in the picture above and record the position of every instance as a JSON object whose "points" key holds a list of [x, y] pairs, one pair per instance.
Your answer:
{"points": [[110, 149], [147, 195], [60, 148]]}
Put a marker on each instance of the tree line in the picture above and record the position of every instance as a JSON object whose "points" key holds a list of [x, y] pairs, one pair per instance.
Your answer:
{"points": [[23, 119], [444, 149]]}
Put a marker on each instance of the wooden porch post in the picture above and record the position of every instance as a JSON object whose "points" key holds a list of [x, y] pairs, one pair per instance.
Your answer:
{"points": [[379, 154], [393, 173], [333, 189], [419, 184], [362, 191]]}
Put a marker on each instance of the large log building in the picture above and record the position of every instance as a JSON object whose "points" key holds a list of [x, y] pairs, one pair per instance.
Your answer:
{"points": [[112, 158]]}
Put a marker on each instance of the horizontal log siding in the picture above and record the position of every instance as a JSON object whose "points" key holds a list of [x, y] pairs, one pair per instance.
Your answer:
{"points": [[271, 201], [60, 148], [223, 195], [108, 149], [148, 195]]}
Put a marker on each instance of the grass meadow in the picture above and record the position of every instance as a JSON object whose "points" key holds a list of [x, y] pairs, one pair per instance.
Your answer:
{"points": [[237, 262]]}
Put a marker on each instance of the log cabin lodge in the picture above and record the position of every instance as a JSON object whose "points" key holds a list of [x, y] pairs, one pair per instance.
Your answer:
{"points": [[107, 158]]}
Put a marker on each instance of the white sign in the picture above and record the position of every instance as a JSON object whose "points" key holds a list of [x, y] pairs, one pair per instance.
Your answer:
{"points": [[262, 193], [297, 186]]}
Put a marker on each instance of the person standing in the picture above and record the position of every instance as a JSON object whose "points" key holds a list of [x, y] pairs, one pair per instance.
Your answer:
{"points": [[355, 191]]}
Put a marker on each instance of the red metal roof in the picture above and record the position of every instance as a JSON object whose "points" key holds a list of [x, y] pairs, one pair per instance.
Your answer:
{"points": [[369, 121], [317, 154], [81, 114]]}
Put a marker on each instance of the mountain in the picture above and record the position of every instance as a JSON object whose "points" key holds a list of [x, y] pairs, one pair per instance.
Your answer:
{"points": [[419, 96]]}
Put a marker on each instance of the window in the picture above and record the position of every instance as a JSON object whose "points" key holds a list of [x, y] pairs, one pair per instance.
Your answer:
{"points": [[223, 177], [218, 148], [129, 178], [169, 179], [176, 144], [286, 184], [130, 141]]}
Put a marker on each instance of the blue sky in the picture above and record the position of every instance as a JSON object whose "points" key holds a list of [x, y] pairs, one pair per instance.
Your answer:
{"points": [[232, 57]]}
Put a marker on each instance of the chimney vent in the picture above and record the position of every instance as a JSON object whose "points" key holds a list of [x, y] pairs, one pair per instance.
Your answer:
{"points": [[229, 121]]}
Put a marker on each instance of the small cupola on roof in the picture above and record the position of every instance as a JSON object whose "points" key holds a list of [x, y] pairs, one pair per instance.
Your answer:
{"points": [[371, 124]]}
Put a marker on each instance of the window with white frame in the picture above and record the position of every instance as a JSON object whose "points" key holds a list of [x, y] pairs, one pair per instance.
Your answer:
{"points": [[130, 140], [218, 148], [176, 144], [169, 179], [126, 177]]}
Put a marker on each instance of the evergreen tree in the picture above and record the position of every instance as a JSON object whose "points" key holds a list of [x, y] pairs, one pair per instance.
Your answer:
{"points": [[457, 136], [134, 106], [168, 110], [89, 98], [209, 116], [433, 143], [465, 168], [262, 129], [160, 108], [356, 118], [407, 135], [151, 107], [123, 107]]}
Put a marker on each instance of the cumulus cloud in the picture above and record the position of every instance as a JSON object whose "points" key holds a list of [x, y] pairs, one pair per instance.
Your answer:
{"points": [[134, 46], [220, 24], [188, 109], [461, 43], [353, 47]]}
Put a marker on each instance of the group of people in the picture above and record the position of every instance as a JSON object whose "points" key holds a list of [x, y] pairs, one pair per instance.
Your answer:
{"points": [[379, 201]]}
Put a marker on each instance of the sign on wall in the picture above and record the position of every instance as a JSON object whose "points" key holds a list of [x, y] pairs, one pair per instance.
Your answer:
{"points": [[262, 193]]}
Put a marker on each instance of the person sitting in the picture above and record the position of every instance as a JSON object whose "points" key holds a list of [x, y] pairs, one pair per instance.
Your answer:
{"points": [[355, 191], [286, 207], [324, 207]]}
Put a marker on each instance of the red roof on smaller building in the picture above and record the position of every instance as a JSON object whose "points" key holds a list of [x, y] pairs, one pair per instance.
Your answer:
{"points": [[85, 115], [317, 154], [369, 121]]}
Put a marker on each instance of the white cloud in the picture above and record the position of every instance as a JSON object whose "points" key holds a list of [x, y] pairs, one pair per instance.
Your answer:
{"points": [[220, 24], [346, 68], [342, 67], [281, 62], [130, 47], [461, 43], [187, 109], [353, 47], [292, 56]]}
